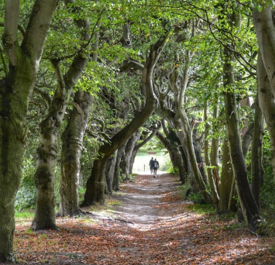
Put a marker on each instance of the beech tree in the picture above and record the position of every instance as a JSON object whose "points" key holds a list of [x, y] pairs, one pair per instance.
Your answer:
{"points": [[265, 30], [23, 54]]}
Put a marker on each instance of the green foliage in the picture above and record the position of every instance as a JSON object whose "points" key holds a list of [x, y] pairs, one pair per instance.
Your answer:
{"points": [[153, 145], [195, 197], [23, 215], [25, 197], [202, 208], [173, 170], [267, 192]]}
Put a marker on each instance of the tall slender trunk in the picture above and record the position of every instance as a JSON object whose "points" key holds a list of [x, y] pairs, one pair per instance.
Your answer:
{"points": [[227, 179], [249, 207], [267, 105], [185, 135], [214, 154], [257, 171], [210, 175], [184, 129], [265, 31]]}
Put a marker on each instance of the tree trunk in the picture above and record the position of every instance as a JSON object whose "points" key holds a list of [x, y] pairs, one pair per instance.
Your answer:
{"points": [[47, 150], [185, 135], [227, 179], [72, 140], [267, 105], [109, 172], [214, 155], [247, 139], [134, 153], [199, 158], [16, 89], [265, 31], [249, 207], [116, 180], [174, 154], [95, 185], [12, 135], [129, 152], [184, 129], [257, 171], [210, 174]]}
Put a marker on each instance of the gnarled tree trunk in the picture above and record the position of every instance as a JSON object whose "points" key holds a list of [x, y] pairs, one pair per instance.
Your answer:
{"points": [[16, 89], [72, 140]]}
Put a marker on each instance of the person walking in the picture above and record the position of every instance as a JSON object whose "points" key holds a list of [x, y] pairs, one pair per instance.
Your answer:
{"points": [[156, 166], [151, 165]]}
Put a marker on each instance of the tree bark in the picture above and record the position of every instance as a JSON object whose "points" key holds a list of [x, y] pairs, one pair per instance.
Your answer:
{"points": [[249, 207], [129, 152], [175, 155], [47, 150], [109, 172], [257, 171], [214, 154], [227, 179], [116, 180], [199, 157], [16, 89], [265, 31], [72, 140], [247, 139], [210, 174], [267, 105], [95, 185], [184, 130]]}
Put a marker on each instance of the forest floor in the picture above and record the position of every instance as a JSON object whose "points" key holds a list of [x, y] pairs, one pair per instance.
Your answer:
{"points": [[148, 223]]}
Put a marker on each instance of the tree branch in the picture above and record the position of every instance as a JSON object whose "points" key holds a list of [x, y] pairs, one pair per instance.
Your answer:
{"points": [[43, 95], [131, 64], [10, 29], [61, 83], [38, 27]]}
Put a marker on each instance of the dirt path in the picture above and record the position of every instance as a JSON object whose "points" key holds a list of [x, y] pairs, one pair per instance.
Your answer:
{"points": [[152, 225], [142, 198]]}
